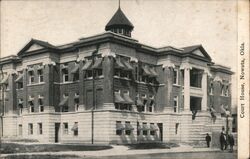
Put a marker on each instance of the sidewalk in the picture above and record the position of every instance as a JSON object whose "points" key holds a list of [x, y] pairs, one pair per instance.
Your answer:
{"points": [[119, 150]]}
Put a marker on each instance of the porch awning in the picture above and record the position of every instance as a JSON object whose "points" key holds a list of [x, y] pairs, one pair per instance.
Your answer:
{"points": [[30, 69], [64, 101], [20, 102], [222, 109], [118, 98], [5, 80], [40, 67], [139, 127], [97, 63], [153, 127], [75, 127], [146, 71], [139, 102], [75, 69], [19, 78], [153, 72], [145, 127], [31, 99], [118, 64], [128, 99], [127, 65], [128, 126], [119, 126], [87, 65]]}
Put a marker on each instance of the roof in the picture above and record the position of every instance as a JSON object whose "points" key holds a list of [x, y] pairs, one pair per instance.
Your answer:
{"points": [[44, 44], [190, 48], [119, 19]]}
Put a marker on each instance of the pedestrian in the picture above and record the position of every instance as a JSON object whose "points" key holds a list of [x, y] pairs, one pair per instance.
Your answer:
{"points": [[222, 141], [208, 140], [231, 142]]}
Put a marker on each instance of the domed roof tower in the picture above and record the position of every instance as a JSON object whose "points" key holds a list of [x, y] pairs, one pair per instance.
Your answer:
{"points": [[120, 24]]}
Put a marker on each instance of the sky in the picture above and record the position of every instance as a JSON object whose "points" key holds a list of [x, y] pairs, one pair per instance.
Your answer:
{"points": [[158, 23]]}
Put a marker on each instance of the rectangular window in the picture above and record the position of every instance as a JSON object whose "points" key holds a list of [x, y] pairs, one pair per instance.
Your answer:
{"points": [[152, 132], [118, 131], [151, 106], [40, 103], [19, 85], [144, 79], [144, 132], [211, 89], [40, 128], [176, 128], [227, 91], [76, 101], [65, 75], [20, 105], [40, 75], [138, 130], [30, 129], [222, 90], [20, 129], [175, 103], [76, 129], [145, 101], [195, 78], [89, 74], [175, 77], [32, 108], [127, 132], [117, 72], [31, 77], [98, 72], [65, 108], [65, 128]]}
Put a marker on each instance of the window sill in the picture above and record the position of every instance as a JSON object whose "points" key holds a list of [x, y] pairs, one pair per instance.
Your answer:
{"points": [[177, 85], [123, 78], [197, 88], [19, 89], [35, 84]]}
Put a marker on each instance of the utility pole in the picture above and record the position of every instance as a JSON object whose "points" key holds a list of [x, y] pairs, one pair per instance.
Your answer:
{"points": [[94, 96]]}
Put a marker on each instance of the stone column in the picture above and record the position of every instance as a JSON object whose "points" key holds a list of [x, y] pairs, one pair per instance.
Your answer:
{"points": [[108, 72], [186, 89], [204, 91]]}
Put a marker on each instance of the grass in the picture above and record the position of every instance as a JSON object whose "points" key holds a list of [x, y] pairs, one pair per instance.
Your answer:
{"points": [[20, 140], [42, 157], [7, 148], [153, 146]]}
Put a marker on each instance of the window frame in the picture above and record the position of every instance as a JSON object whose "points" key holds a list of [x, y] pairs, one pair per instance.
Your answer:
{"points": [[39, 128], [30, 128], [175, 77], [31, 77], [40, 76], [65, 128], [176, 103]]}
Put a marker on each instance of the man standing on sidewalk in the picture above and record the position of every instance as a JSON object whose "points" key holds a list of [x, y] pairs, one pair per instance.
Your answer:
{"points": [[208, 140]]}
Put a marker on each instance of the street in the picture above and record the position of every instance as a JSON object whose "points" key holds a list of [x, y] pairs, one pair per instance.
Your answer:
{"points": [[186, 155]]}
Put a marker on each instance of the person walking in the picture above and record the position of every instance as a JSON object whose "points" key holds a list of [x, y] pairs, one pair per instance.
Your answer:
{"points": [[231, 142], [222, 141], [208, 140]]}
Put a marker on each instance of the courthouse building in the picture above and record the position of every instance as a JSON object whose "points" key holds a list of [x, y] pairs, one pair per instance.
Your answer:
{"points": [[110, 88]]}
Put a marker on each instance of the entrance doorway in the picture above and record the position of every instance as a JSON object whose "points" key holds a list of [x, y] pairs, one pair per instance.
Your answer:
{"points": [[57, 128], [160, 126]]}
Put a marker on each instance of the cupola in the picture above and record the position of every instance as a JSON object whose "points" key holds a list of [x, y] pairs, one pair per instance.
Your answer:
{"points": [[120, 24]]}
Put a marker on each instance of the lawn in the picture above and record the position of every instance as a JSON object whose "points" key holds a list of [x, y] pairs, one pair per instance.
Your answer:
{"points": [[152, 146], [42, 157], [7, 148]]}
